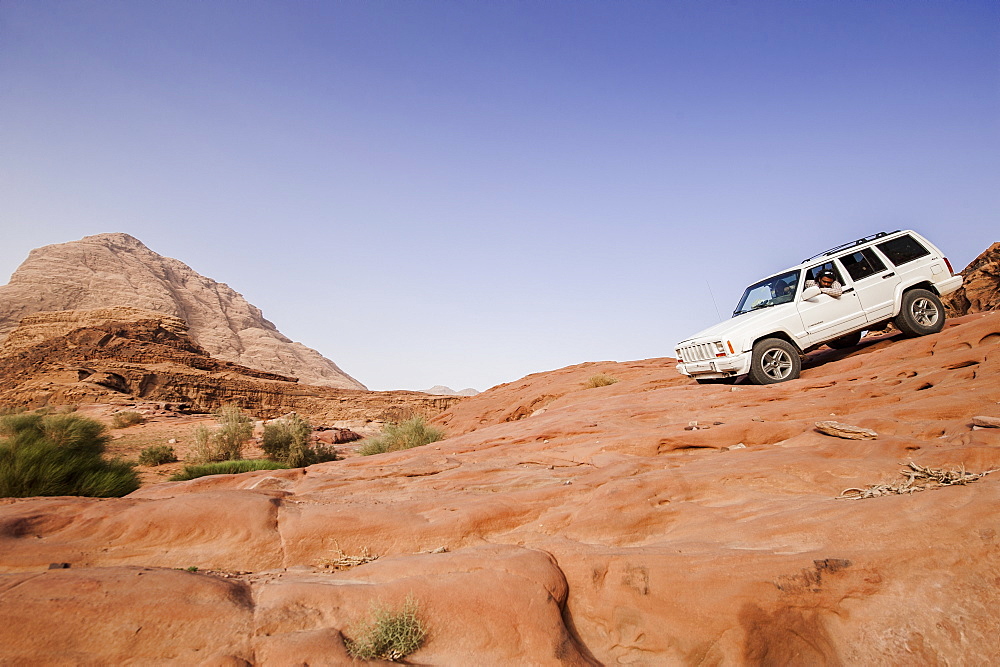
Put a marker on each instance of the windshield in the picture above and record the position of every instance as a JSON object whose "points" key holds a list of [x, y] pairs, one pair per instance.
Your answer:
{"points": [[770, 292]]}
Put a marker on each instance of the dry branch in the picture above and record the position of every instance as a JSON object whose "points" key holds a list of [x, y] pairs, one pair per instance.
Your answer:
{"points": [[918, 478]]}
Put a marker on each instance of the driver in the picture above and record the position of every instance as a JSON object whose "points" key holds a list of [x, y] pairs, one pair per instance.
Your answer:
{"points": [[827, 283], [783, 290]]}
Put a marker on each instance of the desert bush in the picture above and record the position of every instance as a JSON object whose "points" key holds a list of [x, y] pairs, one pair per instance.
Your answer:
{"points": [[224, 442], [155, 455], [391, 635], [202, 449], [226, 468], [126, 419], [395, 437], [59, 455], [287, 440], [235, 428], [600, 380]]}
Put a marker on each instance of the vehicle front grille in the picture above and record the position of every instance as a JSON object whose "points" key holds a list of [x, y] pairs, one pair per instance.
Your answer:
{"points": [[697, 352]]}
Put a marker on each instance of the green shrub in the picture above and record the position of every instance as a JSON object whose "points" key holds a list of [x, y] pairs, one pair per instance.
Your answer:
{"points": [[235, 429], [395, 437], [126, 419], [600, 380], [203, 449], [225, 442], [59, 455], [287, 440], [226, 468], [392, 634], [155, 455]]}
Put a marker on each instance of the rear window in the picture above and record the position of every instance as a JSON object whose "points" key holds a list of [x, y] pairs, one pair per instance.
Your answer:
{"points": [[903, 249], [862, 264]]}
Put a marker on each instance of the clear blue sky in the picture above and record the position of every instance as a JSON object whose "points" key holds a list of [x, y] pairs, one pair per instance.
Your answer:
{"points": [[465, 192]]}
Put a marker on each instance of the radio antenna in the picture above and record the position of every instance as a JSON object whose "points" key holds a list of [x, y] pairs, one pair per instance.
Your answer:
{"points": [[717, 313]]}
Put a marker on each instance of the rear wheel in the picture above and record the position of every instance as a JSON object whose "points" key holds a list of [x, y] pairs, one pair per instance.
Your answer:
{"points": [[921, 313], [774, 360], [844, 342]]}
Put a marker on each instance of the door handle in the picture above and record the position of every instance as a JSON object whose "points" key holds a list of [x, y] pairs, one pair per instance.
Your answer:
{"points": [[848, 290], [888, 275]]}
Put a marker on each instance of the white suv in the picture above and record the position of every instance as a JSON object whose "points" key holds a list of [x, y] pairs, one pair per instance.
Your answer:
{"points": [[888, 277]]}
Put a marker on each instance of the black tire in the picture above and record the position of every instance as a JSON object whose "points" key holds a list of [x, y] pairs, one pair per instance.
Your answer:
{"points": [[921, 313], [774, 360], [844, 342]]}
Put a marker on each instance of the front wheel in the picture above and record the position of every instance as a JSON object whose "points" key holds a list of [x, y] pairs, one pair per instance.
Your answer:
{"points": [[774, 360], [921, 313]]}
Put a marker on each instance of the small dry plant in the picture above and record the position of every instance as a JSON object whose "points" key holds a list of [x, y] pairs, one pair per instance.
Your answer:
{"points": [[344, 561], [156, 455], [126, 419], [918, 478], [414, 432], [392, 634], [225, 442], [600, 380]]}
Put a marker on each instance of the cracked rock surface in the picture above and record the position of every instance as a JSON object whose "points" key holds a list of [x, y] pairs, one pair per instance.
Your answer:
{"points": [[668, 546]]}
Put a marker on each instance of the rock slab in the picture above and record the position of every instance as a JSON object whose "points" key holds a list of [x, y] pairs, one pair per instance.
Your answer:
{"points": [[847, 431]]}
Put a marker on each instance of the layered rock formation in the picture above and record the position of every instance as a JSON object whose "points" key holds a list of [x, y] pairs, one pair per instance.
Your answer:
{"points": [[110, 270], [651, 521], [124, 355], [980, 288]]}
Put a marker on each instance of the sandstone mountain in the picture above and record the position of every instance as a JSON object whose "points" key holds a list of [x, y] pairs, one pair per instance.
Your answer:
{"points": [[441, 390], [652, 521], [110, 270], [125, 355], [980, 288]]}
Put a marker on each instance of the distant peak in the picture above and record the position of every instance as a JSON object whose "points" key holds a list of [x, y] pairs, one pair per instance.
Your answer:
{"points": [[119, 239]]}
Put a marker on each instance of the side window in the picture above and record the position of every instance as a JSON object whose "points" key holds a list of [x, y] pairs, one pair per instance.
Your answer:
{"points": [[862, 264], [816, 270], [902, 250], [878, 266]]}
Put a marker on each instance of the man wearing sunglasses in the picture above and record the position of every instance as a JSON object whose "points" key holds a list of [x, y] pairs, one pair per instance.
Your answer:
{"points": [[827, 283]]}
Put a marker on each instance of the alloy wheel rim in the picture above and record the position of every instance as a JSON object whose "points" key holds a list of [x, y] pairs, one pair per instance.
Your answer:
{"points": [[924, 312], [776, 364]]}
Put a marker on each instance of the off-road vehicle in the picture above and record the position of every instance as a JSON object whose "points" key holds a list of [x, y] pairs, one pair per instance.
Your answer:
{"points": [[887, 277]]}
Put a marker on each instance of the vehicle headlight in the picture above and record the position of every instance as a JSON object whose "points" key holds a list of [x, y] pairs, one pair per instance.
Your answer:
{"points": [[720, 350]]}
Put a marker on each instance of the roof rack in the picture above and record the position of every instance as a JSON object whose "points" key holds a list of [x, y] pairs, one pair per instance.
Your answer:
{"points": [[849, 245]]}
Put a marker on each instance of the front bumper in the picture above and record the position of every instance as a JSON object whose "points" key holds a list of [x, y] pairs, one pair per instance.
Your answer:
{"points": [[728, 366]]}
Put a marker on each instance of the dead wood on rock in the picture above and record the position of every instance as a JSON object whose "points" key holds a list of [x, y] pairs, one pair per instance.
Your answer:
{"points": [[918, 478]]}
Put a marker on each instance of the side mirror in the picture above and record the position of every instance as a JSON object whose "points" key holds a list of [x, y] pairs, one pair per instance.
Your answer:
{"points": [[810, 292]]}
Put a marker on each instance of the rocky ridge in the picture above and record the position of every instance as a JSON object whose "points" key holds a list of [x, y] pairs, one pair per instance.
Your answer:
{"points": [[127, 355], [651, 521], [108, 270], [980, 288]]}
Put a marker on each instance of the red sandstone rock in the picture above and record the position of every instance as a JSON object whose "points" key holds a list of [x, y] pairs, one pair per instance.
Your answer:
{"points": [[581, 525], [847, 431], [980, 288]]}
